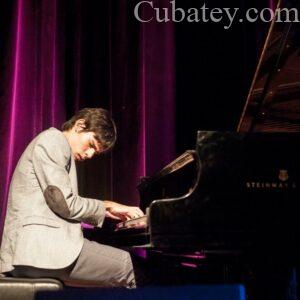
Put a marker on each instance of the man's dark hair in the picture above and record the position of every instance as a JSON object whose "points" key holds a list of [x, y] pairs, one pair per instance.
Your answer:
{"points": [[97, 120]]}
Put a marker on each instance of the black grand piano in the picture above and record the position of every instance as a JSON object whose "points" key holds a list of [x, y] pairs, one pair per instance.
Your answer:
{"points": [[236, 194], [237, 188]]}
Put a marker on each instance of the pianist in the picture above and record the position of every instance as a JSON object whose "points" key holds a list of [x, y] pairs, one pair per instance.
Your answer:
{"points": [[42, 233]]}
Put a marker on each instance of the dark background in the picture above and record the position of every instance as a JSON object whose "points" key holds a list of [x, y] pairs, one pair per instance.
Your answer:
{"points": [[214, 70]]}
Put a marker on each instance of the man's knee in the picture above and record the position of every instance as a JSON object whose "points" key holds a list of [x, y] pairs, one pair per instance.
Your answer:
{"points": [[121, 272]]}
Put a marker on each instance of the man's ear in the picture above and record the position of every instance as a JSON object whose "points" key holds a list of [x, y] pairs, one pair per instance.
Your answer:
{"points": [[80, 125]]}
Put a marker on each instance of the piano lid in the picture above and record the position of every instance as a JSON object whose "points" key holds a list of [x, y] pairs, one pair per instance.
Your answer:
{"points": [[273, 103]]}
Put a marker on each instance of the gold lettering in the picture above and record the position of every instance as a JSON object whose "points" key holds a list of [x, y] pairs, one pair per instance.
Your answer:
{"points": [[270, 185]]}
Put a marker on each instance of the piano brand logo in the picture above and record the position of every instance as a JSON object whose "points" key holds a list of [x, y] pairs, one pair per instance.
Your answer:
{"points": [[283, 183]]}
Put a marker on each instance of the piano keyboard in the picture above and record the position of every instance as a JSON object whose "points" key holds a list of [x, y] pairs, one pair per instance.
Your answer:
{"points": [[137, 223]]}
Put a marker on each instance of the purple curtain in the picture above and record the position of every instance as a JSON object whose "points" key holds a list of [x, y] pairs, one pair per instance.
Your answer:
{"points": [[33, 80], [152, 115], [53, 69]]}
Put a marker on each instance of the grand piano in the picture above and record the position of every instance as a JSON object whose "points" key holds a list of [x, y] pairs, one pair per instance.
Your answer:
{"points": [[236, 194], [239, 188]]}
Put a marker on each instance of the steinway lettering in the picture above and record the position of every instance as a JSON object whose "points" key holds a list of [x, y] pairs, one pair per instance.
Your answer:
{"points": [[270, 185]]}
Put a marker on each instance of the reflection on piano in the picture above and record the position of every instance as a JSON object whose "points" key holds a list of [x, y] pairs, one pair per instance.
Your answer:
{"points": [[237, 194]]}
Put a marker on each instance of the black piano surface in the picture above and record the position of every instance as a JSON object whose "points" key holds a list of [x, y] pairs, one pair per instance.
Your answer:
{"points": [[234, 190]]}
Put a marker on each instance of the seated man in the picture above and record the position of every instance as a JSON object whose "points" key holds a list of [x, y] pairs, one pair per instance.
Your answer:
{"points": [[42, 234]]}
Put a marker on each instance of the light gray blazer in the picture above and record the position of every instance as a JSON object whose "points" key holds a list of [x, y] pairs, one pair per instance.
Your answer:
{"points": [[42, 226]]}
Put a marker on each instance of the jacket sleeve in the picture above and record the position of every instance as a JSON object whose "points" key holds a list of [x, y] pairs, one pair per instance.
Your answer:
{"points": [[50, 157]]}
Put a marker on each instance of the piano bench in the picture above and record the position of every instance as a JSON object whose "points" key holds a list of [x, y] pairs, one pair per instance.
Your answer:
{"points": [[25, 288]]}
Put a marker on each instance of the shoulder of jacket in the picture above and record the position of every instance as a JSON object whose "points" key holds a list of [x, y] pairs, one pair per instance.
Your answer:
{"points": [[55, 139]]}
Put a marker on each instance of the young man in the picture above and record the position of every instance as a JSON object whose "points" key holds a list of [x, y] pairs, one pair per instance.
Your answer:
{"points": [[42, 234]]}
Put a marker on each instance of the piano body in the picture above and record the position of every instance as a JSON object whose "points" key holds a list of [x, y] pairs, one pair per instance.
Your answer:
{"points": [[241, 189], [235, 191]]}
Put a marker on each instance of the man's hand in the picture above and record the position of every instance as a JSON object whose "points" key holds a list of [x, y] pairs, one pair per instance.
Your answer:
{"points": [[122, 212]]}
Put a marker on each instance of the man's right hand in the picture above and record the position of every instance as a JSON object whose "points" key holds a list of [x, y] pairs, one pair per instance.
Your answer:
{"points": [[122, 212]]}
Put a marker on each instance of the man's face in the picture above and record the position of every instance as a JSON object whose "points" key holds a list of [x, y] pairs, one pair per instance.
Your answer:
{"points": [[84, 145]]}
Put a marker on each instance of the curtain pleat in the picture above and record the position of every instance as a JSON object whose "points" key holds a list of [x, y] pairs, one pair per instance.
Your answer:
{"points": [[34, 79]]}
